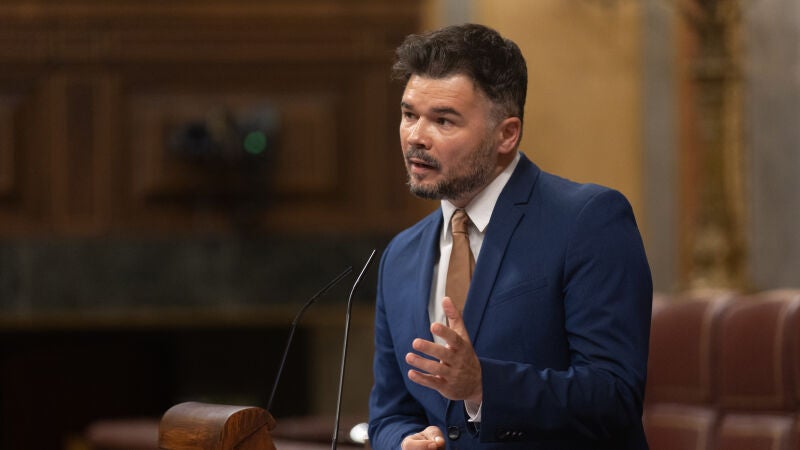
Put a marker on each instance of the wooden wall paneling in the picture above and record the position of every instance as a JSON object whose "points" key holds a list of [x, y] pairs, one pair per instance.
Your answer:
{"points": [[338, 141], [303, 169], [23, 175], [9, 105], [81, 146], [118, 77], [157, 171], [306, 161], [384, 181], [372, 159], [341, 152]]}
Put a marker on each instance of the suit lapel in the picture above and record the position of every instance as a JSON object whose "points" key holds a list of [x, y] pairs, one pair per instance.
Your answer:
{"points": [[429, 248], [508, 212]]}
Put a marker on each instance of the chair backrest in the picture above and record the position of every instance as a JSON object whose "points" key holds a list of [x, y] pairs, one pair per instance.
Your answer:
{"points": [[755, 355], [679, 411], [682, 360], [757, 378]]}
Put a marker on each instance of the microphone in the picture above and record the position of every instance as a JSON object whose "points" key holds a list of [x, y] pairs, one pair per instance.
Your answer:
{"points": [[344, 350], [300, 313]]}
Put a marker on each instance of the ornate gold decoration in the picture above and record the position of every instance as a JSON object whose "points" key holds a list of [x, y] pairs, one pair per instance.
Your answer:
{"points": [[714, 203]]}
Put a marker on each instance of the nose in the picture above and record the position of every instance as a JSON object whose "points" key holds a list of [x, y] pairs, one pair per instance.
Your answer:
{"points": [[417, 134]]}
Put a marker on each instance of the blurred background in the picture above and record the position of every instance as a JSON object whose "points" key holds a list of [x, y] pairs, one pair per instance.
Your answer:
{"points": [[176, 178]]}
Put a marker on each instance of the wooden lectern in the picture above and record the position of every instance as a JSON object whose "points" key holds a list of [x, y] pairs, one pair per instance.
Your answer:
{"points": [[203, 426]]}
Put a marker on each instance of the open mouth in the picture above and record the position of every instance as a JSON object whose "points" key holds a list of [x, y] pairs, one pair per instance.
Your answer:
{"points": [[419, 161], [416, 163]]}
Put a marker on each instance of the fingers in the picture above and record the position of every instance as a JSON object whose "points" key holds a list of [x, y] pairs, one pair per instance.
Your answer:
{"points": [[457, 376], [435, 350], [428, 439], [429, 373], [452, 369], [429, 381], [424, 364], [455, 320], [446, 359]]}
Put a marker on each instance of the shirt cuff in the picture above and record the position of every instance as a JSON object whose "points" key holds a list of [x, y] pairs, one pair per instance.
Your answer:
{"points": [[473, 410]]}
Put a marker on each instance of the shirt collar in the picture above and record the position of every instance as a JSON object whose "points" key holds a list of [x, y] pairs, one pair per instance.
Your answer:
{"points": [[480, 208]]}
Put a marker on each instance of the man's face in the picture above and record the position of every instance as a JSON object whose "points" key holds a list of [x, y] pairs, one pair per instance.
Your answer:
{"points": [[446, 134]]}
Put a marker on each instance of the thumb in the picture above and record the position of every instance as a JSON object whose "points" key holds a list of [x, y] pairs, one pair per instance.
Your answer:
{"points": [[434, 434]]}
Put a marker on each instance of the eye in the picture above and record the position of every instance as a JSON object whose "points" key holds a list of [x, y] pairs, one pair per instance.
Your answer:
{"points": [[408, 115], [443, 121]]}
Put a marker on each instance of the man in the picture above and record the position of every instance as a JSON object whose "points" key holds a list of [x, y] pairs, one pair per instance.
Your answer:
{"points": [[550, 349]]}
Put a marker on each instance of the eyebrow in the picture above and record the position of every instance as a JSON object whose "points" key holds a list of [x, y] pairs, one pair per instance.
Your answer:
{"points": [[441, 110]]}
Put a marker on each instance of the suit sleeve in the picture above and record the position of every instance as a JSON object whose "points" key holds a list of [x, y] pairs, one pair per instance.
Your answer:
{"points": [[394, 413], [607, 295]]}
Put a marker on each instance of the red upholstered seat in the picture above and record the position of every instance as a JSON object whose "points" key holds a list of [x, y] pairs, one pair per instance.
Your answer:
{"points": [[757, 384], [754, 432], [679, 412], [679, 427], [680, 365]]}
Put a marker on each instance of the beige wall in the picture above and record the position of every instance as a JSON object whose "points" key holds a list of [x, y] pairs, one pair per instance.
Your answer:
{"points": [[583, 114]]}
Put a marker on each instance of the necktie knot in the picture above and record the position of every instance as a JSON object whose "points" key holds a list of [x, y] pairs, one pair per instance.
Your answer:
{"points": [[459, 221]]}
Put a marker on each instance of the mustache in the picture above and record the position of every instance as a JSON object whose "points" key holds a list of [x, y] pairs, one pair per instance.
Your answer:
{"points": [[420, 154]]}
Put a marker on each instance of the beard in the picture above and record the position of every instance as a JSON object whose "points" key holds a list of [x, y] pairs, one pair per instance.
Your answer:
{"points": [[468, 177]]}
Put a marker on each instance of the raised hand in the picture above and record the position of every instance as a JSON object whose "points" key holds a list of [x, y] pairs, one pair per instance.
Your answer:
{"points": [[452, 369]]}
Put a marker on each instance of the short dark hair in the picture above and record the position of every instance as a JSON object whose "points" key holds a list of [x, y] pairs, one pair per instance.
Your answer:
{"points": [[495, 64]]}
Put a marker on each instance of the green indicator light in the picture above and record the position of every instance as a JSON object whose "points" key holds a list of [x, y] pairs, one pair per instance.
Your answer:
{"points": [[255, 142]]}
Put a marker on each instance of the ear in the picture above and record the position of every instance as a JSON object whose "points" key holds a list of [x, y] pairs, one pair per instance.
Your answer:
{"points": [[509, 132]]}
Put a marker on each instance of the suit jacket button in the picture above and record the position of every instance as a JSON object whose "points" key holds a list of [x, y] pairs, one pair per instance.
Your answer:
{"points": [[453, 433]]}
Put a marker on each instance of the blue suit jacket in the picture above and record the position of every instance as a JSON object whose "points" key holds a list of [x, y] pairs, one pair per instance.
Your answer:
{"points": [[558, 312]]}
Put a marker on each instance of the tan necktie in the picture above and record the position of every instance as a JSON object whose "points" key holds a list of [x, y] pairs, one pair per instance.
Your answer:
{"points": [[462, 263]]}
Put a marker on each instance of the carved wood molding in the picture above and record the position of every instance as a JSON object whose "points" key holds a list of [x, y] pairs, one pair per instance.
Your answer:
{"points": [[203, 31]]}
